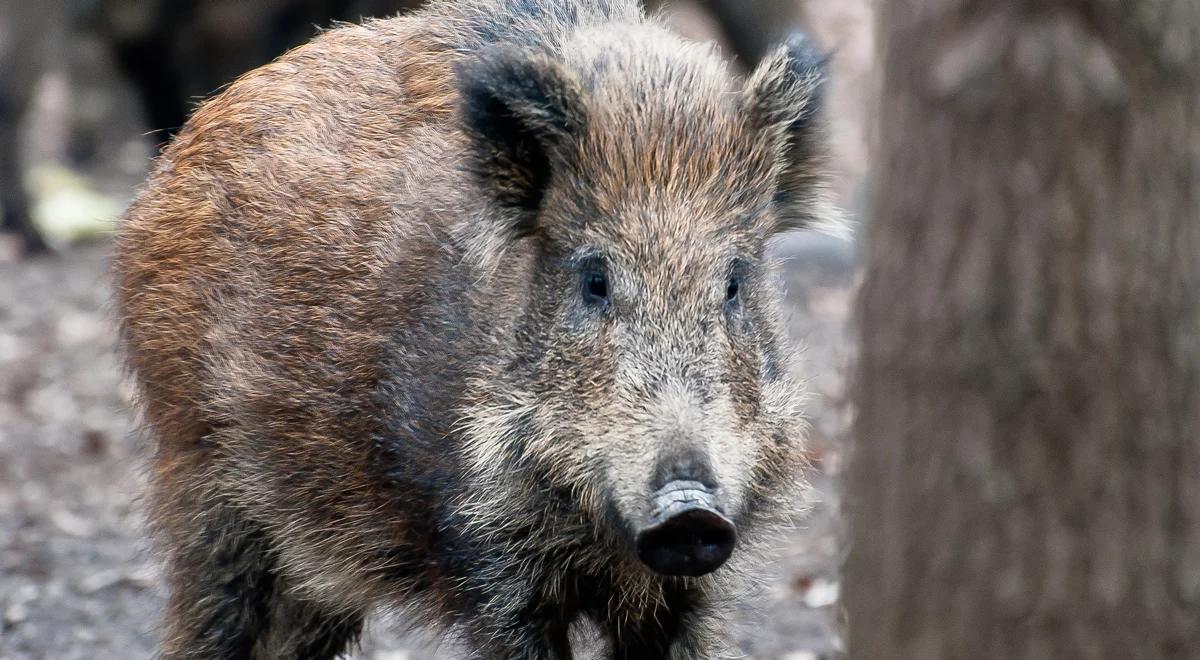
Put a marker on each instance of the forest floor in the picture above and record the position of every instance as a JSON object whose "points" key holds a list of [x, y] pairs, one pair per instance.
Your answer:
{"points": [[77, 581], [76, 578]]}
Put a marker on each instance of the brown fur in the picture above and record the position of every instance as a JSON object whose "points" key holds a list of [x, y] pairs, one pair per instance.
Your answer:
{"points": [[361, 357]]}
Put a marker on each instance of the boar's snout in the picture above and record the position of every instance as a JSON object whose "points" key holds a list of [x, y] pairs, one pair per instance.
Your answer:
{"points": [[687, 535]]}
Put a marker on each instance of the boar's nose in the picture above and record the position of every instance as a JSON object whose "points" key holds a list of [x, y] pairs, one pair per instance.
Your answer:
{"points": [[687, 535]]}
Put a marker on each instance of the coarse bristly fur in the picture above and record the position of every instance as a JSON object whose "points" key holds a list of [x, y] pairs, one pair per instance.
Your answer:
{"points": [[354, 294]]}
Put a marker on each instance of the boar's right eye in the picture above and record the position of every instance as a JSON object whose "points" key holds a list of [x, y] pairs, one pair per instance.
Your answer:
{"points": [[595, 288]]}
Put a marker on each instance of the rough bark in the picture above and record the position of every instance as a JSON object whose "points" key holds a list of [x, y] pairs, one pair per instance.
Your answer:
{"points": [[1026, 480]]}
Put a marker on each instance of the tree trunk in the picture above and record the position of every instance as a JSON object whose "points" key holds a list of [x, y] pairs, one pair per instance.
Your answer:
{"points": [[1026, 479]]}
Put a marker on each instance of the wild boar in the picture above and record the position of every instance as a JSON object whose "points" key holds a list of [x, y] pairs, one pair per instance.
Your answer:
{"points": [[468, 313]]}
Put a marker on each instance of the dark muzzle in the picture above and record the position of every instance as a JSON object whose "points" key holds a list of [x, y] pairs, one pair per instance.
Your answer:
{"points": [[687, 535]]}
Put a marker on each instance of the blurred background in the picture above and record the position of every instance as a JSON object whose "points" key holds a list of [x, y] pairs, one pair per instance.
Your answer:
{"points": [[90, 90]]}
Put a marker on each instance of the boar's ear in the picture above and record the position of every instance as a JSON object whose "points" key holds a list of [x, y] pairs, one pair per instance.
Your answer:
{"points": [[519, 110], [783, 100]]}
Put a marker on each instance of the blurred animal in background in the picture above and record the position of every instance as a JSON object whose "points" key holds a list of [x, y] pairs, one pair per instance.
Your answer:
{"points": [[176, 54], [24, 30], [747, 28], [468, 312], [179, 53]]}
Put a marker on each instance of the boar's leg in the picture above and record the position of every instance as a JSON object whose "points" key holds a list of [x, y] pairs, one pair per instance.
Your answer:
{"points": [[219, 577], [302, 629], [678, 640], [537, 631], [532, 642], [682, 629], [227, 600]]}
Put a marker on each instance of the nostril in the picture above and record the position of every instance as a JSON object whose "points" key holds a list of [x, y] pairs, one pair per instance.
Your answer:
{"points": [[714, 539]]}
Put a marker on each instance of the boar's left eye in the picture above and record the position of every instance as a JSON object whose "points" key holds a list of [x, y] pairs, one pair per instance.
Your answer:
{"points": [[733, 283], [595, 287], [732, 288]]}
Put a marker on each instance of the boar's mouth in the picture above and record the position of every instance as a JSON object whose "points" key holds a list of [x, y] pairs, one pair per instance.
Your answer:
{"points": [[687, 534]]}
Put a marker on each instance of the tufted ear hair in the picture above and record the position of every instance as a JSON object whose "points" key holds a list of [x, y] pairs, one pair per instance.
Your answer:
{"points": [[784, 99], [519, 109]]}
